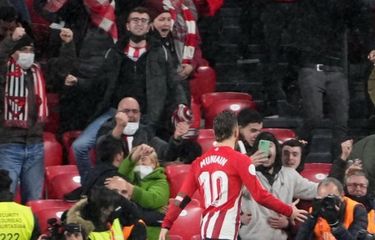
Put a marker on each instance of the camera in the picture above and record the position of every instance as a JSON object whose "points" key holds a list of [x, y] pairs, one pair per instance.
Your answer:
{"points": [[56, 231], [328, 203]]}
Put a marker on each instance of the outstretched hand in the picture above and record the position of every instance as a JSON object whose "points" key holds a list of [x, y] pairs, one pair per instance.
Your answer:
{"points": [[298, 214]]}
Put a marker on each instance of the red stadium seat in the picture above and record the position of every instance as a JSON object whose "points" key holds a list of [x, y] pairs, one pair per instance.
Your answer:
{"points": [[39, 205], [209, 98], [176, 174], [72, 160], [61, 180], [316, 171], [206, 139], [53, 121], [282, 134], [235, 105], [69, 137], [187, 224], [53, 154], [196, 110], [203, 81]]}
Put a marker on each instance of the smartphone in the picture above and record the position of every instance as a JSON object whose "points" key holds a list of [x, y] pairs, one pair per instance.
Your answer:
{"points": [[264, 146]]}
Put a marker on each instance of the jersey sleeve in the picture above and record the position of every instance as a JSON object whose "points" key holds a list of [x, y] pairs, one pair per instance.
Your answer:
{"points": [[247, 172], [182, 199]]}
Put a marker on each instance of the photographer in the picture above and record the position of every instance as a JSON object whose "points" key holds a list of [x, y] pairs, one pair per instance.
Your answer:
{"points": [[333, 215]]}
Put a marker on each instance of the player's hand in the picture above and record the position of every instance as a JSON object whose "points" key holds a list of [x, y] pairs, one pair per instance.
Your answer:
{"points": [[66, 35], [258, 158], [298, 214], [163, 234], [18, 33], [278, 222]]}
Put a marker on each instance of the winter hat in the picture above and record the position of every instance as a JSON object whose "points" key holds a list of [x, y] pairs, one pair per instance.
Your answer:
{"points": [[155, 8], [26, 40], [182, 114]]}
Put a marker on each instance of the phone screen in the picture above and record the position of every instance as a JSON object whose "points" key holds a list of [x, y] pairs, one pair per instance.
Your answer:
{"points": [[264, 146]]}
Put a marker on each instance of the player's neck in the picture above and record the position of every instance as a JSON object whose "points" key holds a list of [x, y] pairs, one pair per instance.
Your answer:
{"points": [[227, 143]]}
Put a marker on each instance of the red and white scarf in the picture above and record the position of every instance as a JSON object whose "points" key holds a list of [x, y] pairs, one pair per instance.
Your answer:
{"points": [[134, 53], [102, 13], [191, 37], [16, 104]]}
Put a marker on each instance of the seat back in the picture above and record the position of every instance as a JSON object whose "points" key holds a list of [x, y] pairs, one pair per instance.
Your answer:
{"points": [[206, 139], [235, 105], [187, 224], [281, 134], [176, 174], [211, 97], [203, 81], [53, 153], [316, 171], [61, 180]]}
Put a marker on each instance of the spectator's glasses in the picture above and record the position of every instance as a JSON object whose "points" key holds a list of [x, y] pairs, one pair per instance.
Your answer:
{"points": [[139, 20], [126, 110], [355, 185]]}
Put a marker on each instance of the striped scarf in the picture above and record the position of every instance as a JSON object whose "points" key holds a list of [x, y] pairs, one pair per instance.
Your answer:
{"points": [[190, 37], [102, 13], [16, 105]]}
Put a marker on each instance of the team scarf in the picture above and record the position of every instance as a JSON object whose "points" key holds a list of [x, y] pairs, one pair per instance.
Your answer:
{"points": [[102, 13], [190, 37], [16, 104]]}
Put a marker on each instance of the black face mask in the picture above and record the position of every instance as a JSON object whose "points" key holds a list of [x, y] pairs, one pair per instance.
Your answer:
{"points": [[136, 38]]}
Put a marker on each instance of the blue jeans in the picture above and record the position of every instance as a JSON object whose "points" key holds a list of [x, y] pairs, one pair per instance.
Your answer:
{"points": [[26, 163], [86, 141]]}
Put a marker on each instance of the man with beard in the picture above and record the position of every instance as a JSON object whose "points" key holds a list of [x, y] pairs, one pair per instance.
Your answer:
{"points": [[135, 68], [356, 184]]}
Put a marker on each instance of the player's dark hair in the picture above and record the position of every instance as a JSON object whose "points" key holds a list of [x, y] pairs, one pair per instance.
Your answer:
{"points": [[248, 115], [224, 125]]}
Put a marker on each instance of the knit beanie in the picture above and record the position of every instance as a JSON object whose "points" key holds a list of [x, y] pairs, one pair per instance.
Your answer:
{"points": [[26, 40], [155, 8]]}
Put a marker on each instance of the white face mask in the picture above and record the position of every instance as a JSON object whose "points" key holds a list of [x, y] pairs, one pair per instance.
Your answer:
{"points": [[25, 60], [131, 128], [143, 170]]}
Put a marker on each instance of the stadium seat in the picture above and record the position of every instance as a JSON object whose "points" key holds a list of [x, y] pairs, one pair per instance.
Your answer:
{"points": [[196, 110], [206, 139], [211, 97], [187, 224], [53, 120], [282, 134], [61, 180], [53, 154], [176, 174], [235, 105], [69, 137], [316, 171], [203, 81], [39, 205]]}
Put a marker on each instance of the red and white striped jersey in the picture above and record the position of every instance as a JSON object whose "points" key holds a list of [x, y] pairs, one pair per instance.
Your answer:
{"points": [[219, 175]]}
